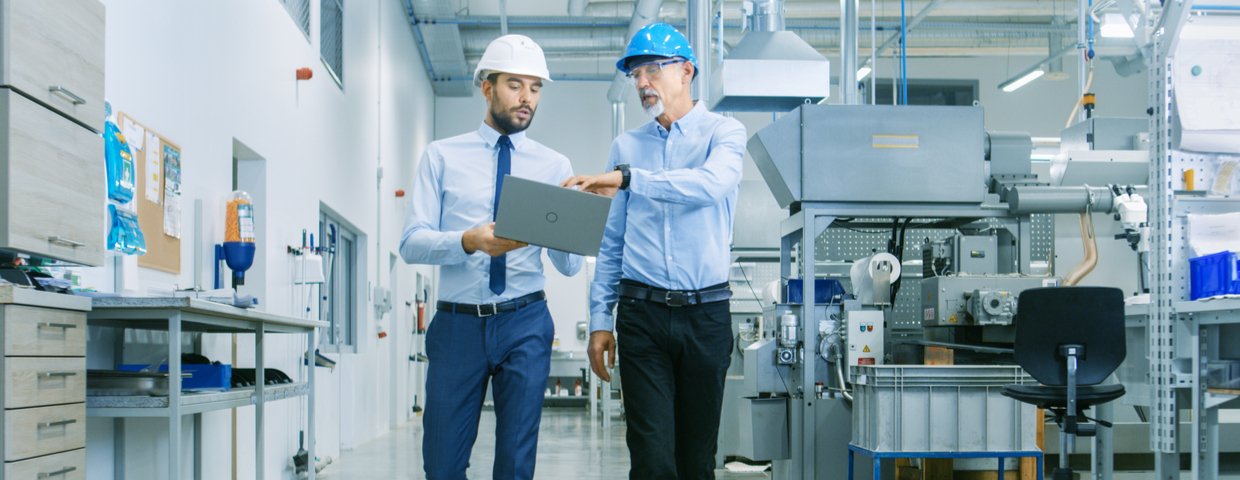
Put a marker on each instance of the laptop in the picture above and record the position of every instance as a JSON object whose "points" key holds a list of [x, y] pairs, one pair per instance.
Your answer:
{"points": [[551, 216]]}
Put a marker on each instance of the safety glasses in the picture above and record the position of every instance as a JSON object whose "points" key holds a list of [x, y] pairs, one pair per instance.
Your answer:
{"points": [[650, 70]]}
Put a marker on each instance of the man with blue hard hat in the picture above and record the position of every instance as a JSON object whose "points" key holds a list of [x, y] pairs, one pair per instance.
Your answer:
{"points": [[492, 324], [665, 260]]}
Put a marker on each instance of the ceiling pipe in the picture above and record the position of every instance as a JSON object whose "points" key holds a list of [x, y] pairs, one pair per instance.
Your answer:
{"points": [[644, 13], [467, 21], [911, 24], [819, 9], [699, 40], [610, 40]]}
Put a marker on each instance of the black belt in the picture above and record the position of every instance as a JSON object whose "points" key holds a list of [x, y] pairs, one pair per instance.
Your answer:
{"points": [[489, 309], [674, 298]]}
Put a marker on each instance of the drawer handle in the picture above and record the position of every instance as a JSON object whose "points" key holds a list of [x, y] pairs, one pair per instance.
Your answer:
{"points": [[56, 325], [65, 241], [76, 99], [57, 473], [59, 374], [57, 424]]}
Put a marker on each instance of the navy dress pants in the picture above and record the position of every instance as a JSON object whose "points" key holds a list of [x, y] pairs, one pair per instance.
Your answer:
{"points": [[512, 352]]}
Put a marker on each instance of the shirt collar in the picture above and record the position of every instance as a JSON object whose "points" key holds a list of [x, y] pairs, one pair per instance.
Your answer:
{"points": [[491, 136], [688, 120]]}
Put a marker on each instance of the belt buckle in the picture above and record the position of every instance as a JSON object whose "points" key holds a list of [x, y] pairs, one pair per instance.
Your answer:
{"points": [[494, 310], [680, 296]]}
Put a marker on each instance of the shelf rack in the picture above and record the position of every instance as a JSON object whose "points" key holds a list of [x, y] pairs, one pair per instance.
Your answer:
{"points": [[182, 315]]}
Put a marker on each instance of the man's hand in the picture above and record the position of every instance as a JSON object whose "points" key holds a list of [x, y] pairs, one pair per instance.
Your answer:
{"points": [[601, 342], [483, 238], [604, 184]]}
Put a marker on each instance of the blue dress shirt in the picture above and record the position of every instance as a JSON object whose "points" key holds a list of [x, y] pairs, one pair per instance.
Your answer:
{"points": [[454, 192], [672, 228]]}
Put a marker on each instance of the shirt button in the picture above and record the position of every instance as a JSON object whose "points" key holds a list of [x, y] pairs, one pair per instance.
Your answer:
{"points": [[669, 257]]}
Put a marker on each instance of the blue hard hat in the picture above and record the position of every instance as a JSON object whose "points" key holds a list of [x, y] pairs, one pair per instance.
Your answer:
{"points": [[658, 39]]}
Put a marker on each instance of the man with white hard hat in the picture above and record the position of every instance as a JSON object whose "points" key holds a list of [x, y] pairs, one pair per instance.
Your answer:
{"points": [[492, 323], [664, 262]]}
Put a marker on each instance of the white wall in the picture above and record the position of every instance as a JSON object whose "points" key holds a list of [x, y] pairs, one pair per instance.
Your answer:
{"points": [[205, 73], [574, 118]]}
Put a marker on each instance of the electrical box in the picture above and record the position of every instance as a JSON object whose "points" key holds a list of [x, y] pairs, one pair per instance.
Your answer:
{"points": [[865, 337]]}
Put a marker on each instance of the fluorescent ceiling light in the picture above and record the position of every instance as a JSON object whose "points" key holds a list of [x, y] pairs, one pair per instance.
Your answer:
{"points": [[1020, 82], [1114, 26], [862, 72]]}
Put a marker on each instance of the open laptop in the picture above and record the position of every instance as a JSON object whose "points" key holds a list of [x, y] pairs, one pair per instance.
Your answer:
{"points": [[551, 216]]}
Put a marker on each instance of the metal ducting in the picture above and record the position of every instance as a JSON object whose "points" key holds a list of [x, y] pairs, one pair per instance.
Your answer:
{"points": [[770, 71], [821, 9], [444, 54]]}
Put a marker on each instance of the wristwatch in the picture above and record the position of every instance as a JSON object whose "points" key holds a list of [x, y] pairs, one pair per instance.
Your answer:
{"points": [[624, 170]]}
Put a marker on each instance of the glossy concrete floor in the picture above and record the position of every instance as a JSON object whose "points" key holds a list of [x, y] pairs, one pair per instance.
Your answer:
{"points": [[570, 446]]}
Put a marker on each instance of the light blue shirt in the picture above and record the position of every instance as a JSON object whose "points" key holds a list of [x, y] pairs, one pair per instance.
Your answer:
{"points": [[672, 228], [454, 192]]}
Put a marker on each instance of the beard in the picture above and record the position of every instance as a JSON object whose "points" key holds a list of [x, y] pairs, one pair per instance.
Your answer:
{"points": [[654, 110], [507, 120]]}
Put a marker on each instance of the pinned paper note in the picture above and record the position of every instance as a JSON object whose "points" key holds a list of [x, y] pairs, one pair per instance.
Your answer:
{"points": [[154, 168]]}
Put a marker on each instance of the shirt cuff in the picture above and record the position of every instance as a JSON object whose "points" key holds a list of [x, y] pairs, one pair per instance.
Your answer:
{"points": [[602, 321], [458, 250]]}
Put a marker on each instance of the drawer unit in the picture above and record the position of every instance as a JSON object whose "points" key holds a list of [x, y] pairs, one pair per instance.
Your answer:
{"points": [[36, 382], [70, 465], [43, 364], [53, 52], [43, 332], [32, 432], [52, 184]]}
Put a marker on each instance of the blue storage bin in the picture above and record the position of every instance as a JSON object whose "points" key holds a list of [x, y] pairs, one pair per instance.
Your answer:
{"points": [[1216, 274], [202, 377], [824, 290]]}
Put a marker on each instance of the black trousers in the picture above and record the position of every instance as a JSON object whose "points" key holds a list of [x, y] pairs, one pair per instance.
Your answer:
{"points": [[672, 366]]}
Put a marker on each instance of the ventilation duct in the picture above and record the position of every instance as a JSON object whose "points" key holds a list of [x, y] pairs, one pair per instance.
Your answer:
{"points": [[770, 70]]}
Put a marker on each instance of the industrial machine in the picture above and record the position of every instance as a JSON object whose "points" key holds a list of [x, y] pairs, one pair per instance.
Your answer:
{"points": [[866, 170]]}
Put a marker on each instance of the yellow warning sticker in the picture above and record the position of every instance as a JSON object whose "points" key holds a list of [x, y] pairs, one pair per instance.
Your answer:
{"points": [[866, 350], [953, 319]]}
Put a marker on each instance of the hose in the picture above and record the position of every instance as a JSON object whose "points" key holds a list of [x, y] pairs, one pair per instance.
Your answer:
{"points": [[839, 371], [1088, 82], [1091, 251]]}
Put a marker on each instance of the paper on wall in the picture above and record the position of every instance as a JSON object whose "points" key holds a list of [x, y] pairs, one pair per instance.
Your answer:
{"points": [[172, 214], [134, 134], [1210, 234], [154, 168], [172, 192]]}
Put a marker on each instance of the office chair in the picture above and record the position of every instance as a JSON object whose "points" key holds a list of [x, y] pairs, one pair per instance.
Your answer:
{"points": [[1070, 339]]}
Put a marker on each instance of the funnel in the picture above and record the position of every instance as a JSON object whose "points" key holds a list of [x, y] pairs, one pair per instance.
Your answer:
{"points": [[239, 256]]}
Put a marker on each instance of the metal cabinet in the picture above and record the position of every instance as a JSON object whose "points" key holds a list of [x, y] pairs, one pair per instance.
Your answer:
{"points": [[52, 185], [43, 419], [52, 51]]}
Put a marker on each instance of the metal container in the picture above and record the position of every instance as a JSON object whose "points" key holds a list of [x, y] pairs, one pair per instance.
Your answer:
{"points": [[126, 384], [907, 408]]}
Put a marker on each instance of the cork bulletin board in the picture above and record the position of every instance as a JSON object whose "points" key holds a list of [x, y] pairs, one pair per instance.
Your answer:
{"points": [[163, 251]]}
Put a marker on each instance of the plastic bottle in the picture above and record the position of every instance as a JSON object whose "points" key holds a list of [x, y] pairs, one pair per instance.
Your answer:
{"points": [[119, 163], [239, 218]]}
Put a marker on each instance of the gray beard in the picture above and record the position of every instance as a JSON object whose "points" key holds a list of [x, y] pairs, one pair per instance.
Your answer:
{"points": [[654, 110]]}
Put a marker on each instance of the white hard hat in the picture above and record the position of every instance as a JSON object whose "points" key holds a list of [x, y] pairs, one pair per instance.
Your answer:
{"points": [[514, 54]]}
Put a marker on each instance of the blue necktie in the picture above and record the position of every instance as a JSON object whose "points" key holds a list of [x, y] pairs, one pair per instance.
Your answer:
{"points": [[499, 265]]}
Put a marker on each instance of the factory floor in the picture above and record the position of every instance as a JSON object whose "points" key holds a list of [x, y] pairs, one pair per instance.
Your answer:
{"points": [[570, 446]]}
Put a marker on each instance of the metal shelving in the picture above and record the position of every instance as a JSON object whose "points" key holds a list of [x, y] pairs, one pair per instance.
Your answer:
{"points": [[180, 315], [191, 403]]}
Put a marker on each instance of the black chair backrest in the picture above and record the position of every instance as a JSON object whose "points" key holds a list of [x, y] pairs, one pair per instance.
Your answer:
{"points": [[1053, 316]]}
